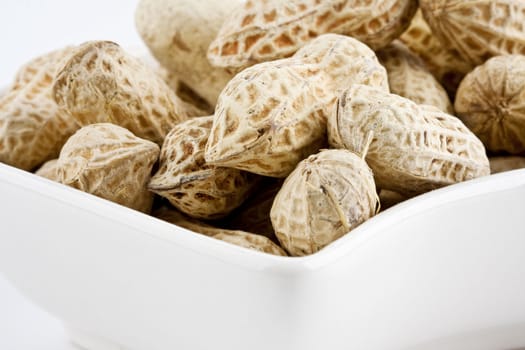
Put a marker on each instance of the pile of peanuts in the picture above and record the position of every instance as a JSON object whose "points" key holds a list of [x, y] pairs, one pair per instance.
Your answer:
{"points": [[277, 125]]}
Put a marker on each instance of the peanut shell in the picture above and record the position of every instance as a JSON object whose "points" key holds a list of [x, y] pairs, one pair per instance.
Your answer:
{"points": [[101, 83], [411, 148], [110, 162], [408, 77], [273, 115], [261, 31], [506, 163], [178, 33], [268, 118], [444, 62], [346, 61], [198, 189], [49, 170], [324, 198], [184, 92], [240, 238], [478, 29], [32, 127], [491, 103]]}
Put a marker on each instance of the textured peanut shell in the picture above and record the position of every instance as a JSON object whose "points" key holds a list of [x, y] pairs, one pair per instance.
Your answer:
{"points": [[478, 29], [324, 198], [184, 92], [346, 61], [273, 115], [444, 62], [49, 170], [268, 118], [491, 103], [506, 163], [240, 238], [32, 127], [267, 30], [101, 83], [411, 148], [178, 33], [408, 77], [198, 189], [108, 161]]}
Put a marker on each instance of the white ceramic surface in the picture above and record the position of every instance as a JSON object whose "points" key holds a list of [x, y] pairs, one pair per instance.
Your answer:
{"points": [[442, 271], [24, 326]]}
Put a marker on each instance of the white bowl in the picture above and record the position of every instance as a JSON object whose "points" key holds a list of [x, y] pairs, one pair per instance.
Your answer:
{"points": [[445, 270]]}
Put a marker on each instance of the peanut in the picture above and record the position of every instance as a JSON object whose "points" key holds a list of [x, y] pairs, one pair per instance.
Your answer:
{"points": [[261, 31], [444, 62], [178, 33], [198, 189], [408, 77], [110, 162], [101, 83], [32, 127], [239, 238], [325, 197], [490, 101], [49, 170], [478, 29], [272, 115], [411, 148]]}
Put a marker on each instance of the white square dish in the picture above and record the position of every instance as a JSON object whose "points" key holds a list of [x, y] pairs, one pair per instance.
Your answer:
{"points": [[445, 270]]}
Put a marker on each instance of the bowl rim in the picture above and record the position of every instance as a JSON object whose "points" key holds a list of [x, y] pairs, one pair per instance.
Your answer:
{"points": [[158, 229]]}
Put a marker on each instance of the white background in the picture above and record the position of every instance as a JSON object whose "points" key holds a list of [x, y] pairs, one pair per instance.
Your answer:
{"points": [[32, 27], [29, 28]]}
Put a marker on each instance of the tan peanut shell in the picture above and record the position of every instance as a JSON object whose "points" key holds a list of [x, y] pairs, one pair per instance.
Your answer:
{"points": [[408, 77], [32, 127], [268, 118], [345, 61], [101, 83], [444, 62], [411, 148], [179, 32], [49, 170], [198, 189], [108, 161], [261, 31], [184, 92], [325, 197], [478, 29], [240, 238], [491, 103], [273, 115], [254, 214], [506, 163]]}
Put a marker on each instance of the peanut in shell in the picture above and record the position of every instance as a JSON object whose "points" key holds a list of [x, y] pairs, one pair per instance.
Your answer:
{"points": [[324, 198], [411, 148], [237, 237], [110, 162], [491, 103], [478, 29], [101, 83], [32, 126], [198, 189], [260, 31], [409, 77]]}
